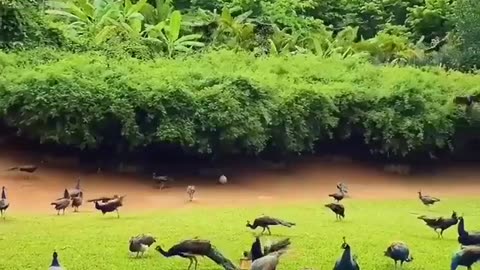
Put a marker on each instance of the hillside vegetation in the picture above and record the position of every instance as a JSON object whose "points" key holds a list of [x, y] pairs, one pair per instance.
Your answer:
{"points": [[240, 76]]}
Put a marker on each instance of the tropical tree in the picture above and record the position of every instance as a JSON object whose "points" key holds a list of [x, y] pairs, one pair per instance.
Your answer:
{"points": [[100, 19], [237, 32], [168, 35]]}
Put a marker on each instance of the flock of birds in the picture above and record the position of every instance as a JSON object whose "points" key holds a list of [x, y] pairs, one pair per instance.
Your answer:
{"points": [[266, 257]]}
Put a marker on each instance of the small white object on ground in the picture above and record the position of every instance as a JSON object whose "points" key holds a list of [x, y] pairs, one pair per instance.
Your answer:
{"points": [[222, 180]]}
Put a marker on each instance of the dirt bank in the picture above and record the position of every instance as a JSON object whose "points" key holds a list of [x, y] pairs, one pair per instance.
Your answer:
{"points": [[310, 179]]}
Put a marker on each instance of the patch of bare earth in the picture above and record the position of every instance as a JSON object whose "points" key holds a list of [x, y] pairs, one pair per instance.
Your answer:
{"points": [[308, 180]]}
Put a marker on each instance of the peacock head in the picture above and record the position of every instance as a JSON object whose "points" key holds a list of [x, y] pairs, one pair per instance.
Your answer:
{"points": [[454, 214], [409, 259], [158, 248], [248, 223], [345, 245]]}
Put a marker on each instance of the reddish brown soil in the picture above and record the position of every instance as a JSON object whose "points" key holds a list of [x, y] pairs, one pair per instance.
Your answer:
{"points": [[308, 180]]}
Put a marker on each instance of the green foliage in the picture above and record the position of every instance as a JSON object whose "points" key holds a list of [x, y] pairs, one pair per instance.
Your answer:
{"points": [[467, 16], [23, 26], [169, 35], [227, 102]]}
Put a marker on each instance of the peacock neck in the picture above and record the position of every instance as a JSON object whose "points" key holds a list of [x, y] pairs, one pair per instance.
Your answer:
{"points": [[55, 262], [163, 252], [461, 227], [4, 196], [347, 255]]}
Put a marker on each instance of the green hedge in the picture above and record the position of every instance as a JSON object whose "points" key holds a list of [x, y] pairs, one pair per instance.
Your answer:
{"points": [[228, 102]]}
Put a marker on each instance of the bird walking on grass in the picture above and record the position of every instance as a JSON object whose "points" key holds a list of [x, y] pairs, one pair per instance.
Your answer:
{"points": [[467, 256], [4, 204], [268, 262], [190, 192], [347, 261], [338, 209], [110, 206], [55, 265], [141, 243], [266, 221], [77, 201], [399, 251], [74, 192], [467, 238], [427, 200], [62, 203], [440, 223], [257, 252], [189, 249], [338, 196]]}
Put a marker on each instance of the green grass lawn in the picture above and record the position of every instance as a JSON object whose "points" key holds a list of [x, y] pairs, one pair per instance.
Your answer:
{"points": [[91, 241]]}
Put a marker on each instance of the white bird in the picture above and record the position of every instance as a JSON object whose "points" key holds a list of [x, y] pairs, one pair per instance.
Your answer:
{"points": [[267, 262], [222, 180], [55, 265]]}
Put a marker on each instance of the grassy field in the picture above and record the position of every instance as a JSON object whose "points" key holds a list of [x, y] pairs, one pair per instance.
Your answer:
{"points": [[89, 240]]}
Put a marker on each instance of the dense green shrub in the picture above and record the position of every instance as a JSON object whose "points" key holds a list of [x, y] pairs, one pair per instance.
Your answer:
{"points": [[226, 102], [22, 24]]}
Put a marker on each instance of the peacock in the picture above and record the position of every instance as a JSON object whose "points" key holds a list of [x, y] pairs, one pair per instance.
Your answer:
{"points": [[467, 256], [268, 262], [74, 192], [62, 203], [196, 247], [467, 238], [440, 223], [55, 265], [427, 200], [267, 221], [141, 243], [338, 209], [77, 201], [399, 251], [347, 261], [4, 204]]}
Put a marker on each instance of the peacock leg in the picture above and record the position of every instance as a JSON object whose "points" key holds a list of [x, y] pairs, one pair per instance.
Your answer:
{"points": [[118, 214], [263, 230], [196, 262], [191, 262], [269, 232]]}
